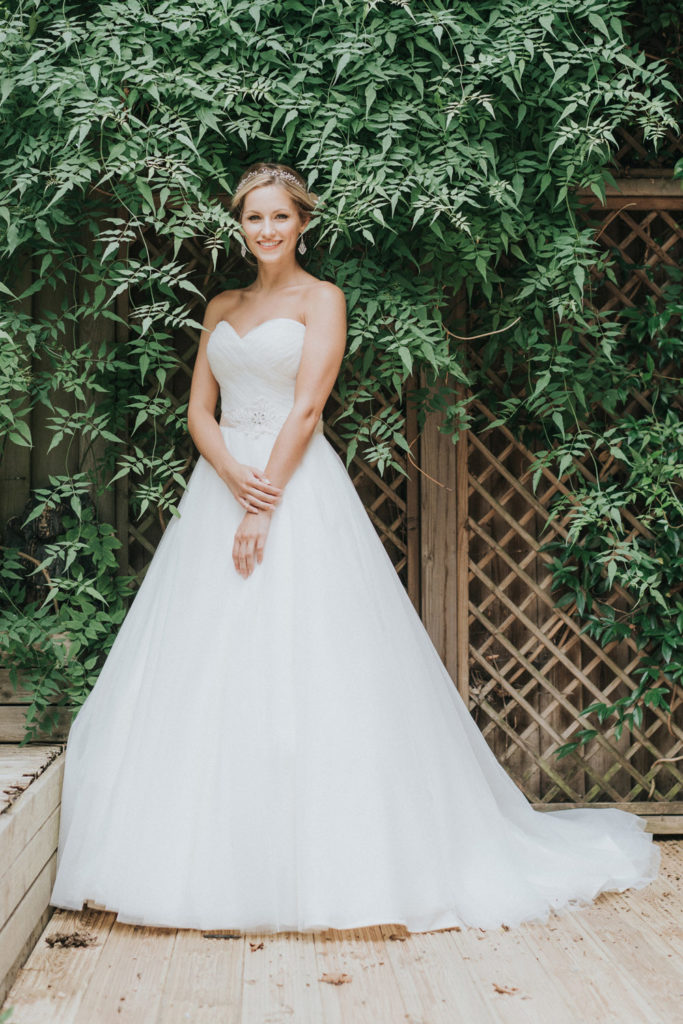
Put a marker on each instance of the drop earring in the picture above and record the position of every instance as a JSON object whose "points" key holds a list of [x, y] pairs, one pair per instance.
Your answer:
{"points": [[302, 245], [243, 250]]}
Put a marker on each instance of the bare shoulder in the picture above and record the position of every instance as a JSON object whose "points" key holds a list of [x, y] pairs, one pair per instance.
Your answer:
{"points": [[225, 300], [325, 296], [327, 289]]}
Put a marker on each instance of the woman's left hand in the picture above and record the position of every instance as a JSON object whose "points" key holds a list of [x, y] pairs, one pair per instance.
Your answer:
{"points": [[250, 541]]}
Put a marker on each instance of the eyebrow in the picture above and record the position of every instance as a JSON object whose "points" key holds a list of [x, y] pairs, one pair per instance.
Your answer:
{"points": [[280, 210]]}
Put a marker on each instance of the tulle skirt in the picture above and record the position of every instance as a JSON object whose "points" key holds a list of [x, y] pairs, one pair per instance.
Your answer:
{"points": [[288, 752]]}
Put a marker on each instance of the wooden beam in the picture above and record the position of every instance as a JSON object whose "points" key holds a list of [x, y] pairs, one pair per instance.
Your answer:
{"points": [[662, 819], [637, 194]]}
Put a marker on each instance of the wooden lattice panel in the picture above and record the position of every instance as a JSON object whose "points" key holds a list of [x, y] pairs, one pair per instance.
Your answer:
{"points": [[385, 497], [644, 234], [635, 152], [532, 670]]}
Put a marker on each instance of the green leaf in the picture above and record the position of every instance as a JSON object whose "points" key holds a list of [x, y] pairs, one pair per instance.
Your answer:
{"points": [[597, 22]]}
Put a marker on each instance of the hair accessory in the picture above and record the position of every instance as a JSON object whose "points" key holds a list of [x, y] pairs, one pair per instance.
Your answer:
{"points": [[277, 173]]}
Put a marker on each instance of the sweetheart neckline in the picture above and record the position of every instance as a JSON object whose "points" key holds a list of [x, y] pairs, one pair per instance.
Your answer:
{"points": [[251, 330]]}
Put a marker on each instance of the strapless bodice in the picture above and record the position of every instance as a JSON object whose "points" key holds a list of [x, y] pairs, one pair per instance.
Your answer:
{"points": [[256, 373]]}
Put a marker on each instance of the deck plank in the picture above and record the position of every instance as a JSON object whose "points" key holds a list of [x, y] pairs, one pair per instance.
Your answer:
{"points": [[204, 981], [373, 993], [611, 957], [125, 986], [433, 979], [54, 980], [580, 977], [645, 958], [515, 985], [280, 979]]}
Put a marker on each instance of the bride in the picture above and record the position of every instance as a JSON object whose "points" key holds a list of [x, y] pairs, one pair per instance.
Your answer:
{"points": [[273, 742], [271, 217]]}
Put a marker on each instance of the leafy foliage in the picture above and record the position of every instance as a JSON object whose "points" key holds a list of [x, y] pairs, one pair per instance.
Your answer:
{"points": [[57, 647], [447, 142], [626, 527]]}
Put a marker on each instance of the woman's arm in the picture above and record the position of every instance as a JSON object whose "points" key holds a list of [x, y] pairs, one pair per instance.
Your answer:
{"points": [[248, 484], [321, 358], [323, 351]]}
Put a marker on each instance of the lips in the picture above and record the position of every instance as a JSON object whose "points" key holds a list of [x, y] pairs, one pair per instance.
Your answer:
{"points": [[273, 245]]}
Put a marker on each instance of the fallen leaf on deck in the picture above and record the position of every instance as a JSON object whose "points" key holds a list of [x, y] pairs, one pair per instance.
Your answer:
{"points": [[503, 990], [71, 939], [335, 979], [255, 945]]}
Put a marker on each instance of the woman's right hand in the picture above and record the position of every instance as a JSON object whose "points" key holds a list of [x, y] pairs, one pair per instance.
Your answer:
{"points": [[252, 488]]}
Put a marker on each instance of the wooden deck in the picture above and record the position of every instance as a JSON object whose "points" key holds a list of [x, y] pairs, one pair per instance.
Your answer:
{"points": [[618, 960]]}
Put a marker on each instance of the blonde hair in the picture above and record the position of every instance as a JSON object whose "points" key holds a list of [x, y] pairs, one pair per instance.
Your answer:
{"points": [[263, 173]]}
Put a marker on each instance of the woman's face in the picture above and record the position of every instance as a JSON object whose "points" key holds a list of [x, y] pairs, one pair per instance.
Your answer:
{"points": [[270, 222]]}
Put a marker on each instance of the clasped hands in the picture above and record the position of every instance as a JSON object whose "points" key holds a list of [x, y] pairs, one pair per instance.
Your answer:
{"points": [[252, 488]]}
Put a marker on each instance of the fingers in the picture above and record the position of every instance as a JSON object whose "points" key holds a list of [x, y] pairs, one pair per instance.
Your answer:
{"points": [[257, 504], [240, 557], [255, 501], [252, 504], [257, 492], [249, 544], [246, 552], [262, 484], [248, 559]]}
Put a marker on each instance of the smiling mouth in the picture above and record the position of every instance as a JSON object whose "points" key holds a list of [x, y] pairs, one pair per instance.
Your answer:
{"points": [[269, 245]]}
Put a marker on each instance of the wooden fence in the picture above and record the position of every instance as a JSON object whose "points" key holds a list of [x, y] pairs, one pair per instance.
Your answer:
{"points": [[523, 665]]}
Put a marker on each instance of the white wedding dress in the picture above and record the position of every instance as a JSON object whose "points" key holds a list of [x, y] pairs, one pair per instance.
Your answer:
{"points": [[287, 751]]}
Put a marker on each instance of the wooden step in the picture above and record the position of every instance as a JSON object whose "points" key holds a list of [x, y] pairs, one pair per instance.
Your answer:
{"points": [[31, 777]]}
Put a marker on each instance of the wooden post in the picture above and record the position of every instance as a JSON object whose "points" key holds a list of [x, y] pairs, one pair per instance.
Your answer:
{"points": [[444, 546], [122, 496], [462, 597], [414, 566]]}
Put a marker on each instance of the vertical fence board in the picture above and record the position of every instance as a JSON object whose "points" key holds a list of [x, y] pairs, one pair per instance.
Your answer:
{"points": [[15, 471], [439, 528]]}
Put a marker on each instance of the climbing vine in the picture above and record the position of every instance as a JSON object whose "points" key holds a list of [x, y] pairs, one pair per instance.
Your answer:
{"points": [[447, 143]]}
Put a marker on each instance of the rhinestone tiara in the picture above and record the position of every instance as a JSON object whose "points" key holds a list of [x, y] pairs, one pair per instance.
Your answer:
{"points": [[277, 173]]}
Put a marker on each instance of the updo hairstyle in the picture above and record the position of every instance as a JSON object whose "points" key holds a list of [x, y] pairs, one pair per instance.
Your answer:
{"points": [[273, 174]]}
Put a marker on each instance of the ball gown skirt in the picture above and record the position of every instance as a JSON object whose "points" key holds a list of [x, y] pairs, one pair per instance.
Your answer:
{"points": [[288, 752]]}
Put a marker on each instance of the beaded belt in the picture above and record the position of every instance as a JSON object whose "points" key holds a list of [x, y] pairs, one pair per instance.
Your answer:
{"points": [[259, 418]]}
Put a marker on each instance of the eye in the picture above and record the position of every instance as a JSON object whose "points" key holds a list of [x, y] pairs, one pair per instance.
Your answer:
{"points": [[254, 216]]}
